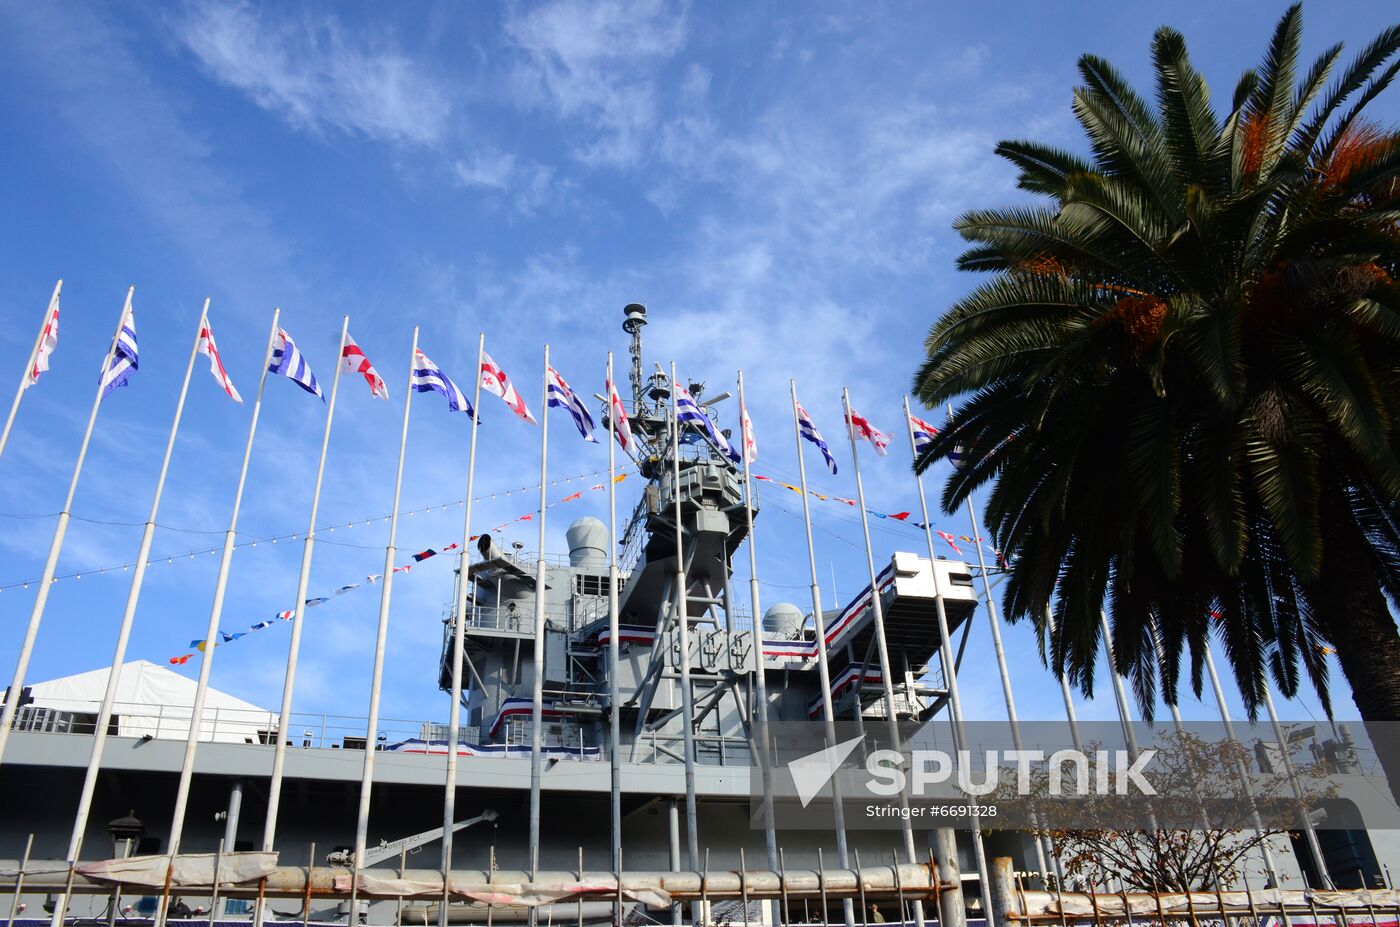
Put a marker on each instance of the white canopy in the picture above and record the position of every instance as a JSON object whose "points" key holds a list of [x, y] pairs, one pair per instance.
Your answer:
{"points": [[152, 699]]}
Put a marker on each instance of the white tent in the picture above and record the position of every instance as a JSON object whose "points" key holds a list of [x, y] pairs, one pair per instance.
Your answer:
{"points": [[152, 699]]}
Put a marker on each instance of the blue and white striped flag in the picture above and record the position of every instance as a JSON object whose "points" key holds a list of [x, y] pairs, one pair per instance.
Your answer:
{"points": [[689, 411], [288, 361], [121, 361], [428, 377], [923, 435], [562, 397], [809, 431]]}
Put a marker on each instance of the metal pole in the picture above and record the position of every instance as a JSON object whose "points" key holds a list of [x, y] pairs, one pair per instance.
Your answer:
{"points": [[1240, 771], [1120, 696], [24, 381], [692, 822], [211, 632], [614, 694], [537, 704], [823, 670], [381, 638], [284, 723], [877, 611], [674, 817], [109, 696], [19, 882], [235, 809], [1070, 714], [449, 798], [41, 597], [945, 648], [995, 623], [760, 708], [1308, 830]]}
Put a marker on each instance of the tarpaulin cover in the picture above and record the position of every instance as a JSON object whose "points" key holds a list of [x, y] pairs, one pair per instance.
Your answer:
{"points": [[192, 869], [1107, 905], [524, 893]]}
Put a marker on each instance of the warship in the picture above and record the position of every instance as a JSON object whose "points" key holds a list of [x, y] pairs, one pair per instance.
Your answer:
{"points": [[696, 672]]}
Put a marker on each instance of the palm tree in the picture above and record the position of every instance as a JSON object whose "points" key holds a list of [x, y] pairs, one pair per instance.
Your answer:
{"points": [[1182, 380]]}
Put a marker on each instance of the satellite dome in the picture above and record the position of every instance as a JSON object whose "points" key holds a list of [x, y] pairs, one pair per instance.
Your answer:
{"points": [[588, 543], [782, 618]]}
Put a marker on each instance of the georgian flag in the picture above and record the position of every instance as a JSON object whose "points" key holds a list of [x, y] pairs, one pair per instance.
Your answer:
{"points": [[121, 361], [494, 380], [47, 342], [622, 426], [746, 434], [562, 397], [860, 427], [209, 349], [355, 362], [923, 435], [428, 377], [808, 429], [287, 361]]}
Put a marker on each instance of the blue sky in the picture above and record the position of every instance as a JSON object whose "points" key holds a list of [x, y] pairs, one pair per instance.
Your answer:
{"points": [[777, 183]]}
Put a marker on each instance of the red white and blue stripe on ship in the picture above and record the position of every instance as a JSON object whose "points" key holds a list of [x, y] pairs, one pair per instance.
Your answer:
{"points": [[513, 707], [628, 634], [844, 681], [509, 751], [803, 651]]}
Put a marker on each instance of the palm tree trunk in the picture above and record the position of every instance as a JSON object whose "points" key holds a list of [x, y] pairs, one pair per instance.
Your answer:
{"points": [[1364, 634]]}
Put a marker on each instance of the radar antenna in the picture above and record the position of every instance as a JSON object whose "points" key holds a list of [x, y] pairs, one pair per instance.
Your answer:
{"points": [[635, 318]]}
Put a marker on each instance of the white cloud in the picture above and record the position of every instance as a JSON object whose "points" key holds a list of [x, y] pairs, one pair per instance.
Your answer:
{"points": [[593, 62], [315, 76], [529, 185]]}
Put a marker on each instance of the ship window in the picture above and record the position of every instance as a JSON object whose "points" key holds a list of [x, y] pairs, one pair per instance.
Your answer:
{"points": [[585, 584]]}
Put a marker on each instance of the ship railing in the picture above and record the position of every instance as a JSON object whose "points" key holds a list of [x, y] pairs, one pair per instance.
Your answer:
{"points": [[520, 618], [220, 725]]}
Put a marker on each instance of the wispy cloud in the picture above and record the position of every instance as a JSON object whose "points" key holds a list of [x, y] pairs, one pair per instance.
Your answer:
{"points": [[528, 185], [593, 64], [317, 75]]}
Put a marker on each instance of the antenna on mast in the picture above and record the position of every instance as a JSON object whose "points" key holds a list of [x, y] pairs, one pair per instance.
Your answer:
{"points": [[635, 318]]}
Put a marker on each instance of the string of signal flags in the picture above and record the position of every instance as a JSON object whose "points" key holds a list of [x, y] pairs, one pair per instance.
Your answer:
{"points": [[225, 637], [286, 360]]}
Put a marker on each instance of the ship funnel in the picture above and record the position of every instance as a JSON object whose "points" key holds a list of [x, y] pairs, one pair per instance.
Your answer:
{"points": [[488, 548], [784, 619], [588, 544]]}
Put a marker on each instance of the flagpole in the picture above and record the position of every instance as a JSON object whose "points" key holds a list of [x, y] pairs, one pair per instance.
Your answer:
{"points": [[376, 678], [760, 708], [1269, 864], [823, 670], [33, 356], [41, 597], [692, 816], [995, 623], [104, 713], [614, 695], [882, 647], [1120, 697], [206, 663], [945, 648], [279, 758], [1070, 713], [1309, 831], [454, 712], [537, 700]]}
